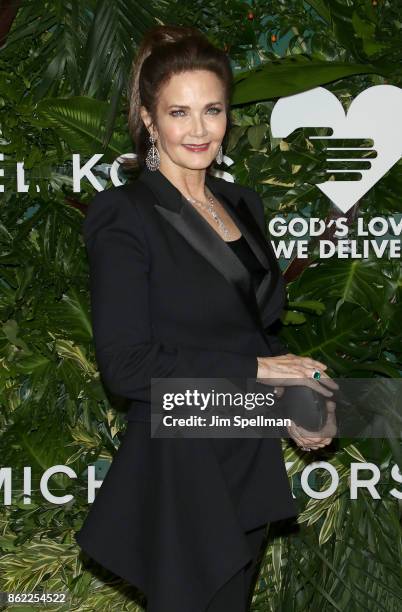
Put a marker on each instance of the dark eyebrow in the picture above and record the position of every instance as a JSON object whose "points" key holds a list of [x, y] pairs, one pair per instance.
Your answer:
{"points": [[182, 106]]}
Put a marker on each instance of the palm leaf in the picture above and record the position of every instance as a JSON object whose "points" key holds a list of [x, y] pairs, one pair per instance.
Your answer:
{"points": [[368, 282], [80, 122], [291, 75]]}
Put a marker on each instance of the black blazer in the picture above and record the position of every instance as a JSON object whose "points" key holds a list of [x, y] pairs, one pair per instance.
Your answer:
{"points": [[170, 299]]}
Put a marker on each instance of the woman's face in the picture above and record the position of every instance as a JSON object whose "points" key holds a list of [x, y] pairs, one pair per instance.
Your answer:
{"points": [[191, 111]]}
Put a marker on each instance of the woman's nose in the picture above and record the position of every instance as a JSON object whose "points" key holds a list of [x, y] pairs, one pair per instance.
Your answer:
{"points": [[198, 127]]}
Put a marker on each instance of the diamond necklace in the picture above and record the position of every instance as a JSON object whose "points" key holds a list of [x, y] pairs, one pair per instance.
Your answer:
{"points": [[211, 209]]}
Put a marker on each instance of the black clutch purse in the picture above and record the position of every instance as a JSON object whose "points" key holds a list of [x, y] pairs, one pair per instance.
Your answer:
{"points": [[304, 406]]}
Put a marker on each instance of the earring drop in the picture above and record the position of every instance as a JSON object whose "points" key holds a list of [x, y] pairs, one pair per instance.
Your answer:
{"points": [[219, 155], [152, 159]]}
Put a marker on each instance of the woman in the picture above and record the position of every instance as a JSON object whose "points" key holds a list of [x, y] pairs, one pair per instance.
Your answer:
{"points": [[184, 284]]}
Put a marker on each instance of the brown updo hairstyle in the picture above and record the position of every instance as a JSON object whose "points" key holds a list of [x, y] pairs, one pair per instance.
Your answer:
{"points": [[167, 50]]}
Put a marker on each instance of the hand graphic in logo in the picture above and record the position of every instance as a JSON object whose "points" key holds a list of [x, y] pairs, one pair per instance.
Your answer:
{"points": [[373, 116], [328, 159]]}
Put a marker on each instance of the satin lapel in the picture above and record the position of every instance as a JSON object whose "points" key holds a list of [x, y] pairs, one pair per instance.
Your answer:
{"points": [[204, 239], [193, 227], [245, 221]]}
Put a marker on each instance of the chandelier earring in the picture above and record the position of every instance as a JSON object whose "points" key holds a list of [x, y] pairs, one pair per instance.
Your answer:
{"points": [[152, 159], [219, 155]]}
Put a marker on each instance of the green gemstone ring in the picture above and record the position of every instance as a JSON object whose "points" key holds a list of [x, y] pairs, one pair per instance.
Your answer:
{"points": [[316, 374]]}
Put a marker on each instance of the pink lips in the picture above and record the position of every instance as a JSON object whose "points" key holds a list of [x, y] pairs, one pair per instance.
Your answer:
{"points": [[197, 148]]}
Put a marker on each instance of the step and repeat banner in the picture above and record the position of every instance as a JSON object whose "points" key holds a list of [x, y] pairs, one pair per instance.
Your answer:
{"points": [[316, 131]]}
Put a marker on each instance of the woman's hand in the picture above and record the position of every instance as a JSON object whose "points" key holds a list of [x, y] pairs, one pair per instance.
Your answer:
{"points": [[312, 440], [290, 370]]}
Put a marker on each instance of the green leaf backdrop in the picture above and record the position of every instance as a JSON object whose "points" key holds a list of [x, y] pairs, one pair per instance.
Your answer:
{"points": [[63, 75]]}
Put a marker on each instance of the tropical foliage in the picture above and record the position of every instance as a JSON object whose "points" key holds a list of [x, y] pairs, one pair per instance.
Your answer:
{"points": [[63, 75]]}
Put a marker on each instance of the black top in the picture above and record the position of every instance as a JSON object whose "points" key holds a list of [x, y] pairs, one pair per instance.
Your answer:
{"points": [[243, 251]]}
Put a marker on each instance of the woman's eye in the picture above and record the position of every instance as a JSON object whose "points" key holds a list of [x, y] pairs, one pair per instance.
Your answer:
{"points": [[213, 108]]}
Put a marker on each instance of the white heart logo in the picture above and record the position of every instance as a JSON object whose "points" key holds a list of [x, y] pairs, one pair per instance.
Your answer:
{"points": [[375, 113]]}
